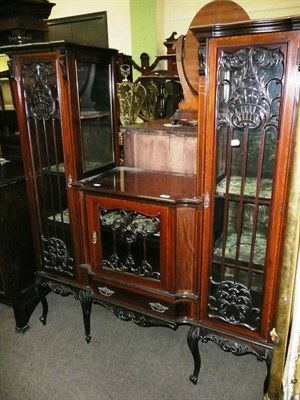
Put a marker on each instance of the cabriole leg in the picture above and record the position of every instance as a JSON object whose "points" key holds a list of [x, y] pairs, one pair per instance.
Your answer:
{"points": [[42, 297], [192, 340], [268, 358], [86, 304]]}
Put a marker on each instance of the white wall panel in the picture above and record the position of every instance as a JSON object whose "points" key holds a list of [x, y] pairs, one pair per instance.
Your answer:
{"points": [[178, 14]]}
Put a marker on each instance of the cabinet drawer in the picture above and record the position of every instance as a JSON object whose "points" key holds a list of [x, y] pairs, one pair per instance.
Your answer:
{"points": [[157, 304]]}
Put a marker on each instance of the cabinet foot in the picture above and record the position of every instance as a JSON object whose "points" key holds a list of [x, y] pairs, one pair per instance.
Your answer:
{"points": [[38, 284], [193, 339], [22, 330], [86, 304]]}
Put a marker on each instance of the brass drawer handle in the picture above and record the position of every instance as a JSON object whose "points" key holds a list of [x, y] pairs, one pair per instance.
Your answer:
{"points": [[105, 291], [158, 307]]}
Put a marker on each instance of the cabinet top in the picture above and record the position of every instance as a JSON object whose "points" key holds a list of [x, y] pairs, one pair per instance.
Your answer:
{"points": [[247, 27], [143, 184], [59, 45]]}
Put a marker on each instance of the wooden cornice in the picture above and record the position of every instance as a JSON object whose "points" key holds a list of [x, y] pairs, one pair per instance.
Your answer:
{"points": [[247, 27]]}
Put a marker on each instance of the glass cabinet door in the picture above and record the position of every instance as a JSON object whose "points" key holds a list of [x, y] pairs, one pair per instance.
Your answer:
{"points": [[129, 240], [249, 87], [95, 103], [40, 80], [67, 131]]}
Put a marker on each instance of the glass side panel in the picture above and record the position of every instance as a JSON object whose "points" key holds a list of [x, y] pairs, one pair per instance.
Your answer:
{"points": [[44, 129], [95, 115], [249, 86], [130, 242]]}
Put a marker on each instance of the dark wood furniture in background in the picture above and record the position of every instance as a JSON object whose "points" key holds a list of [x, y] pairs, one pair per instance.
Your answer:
{"points": [[24, 21], [17, 259], [161, 82], [165, 244], [89, 29]]}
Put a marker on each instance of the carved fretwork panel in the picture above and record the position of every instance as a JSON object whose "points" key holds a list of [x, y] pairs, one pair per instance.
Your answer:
{"points": [[250, 83], [56, 255], [40, 90], [130, 242], [232, 303], [248, 93]]}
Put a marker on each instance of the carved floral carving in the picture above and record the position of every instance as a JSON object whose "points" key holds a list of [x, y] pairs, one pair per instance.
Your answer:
{"points": [[250, 83], [40, 91], [56, 255], [232, 302], [128, 227]]}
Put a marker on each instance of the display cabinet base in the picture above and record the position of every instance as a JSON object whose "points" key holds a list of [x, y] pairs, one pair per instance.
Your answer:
{"points": [[196, 333], [138, 318]]}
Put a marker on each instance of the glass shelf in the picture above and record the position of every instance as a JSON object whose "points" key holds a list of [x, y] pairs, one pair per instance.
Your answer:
{"points": [[61, 217], [250, 187], [244, 249], [95, 115]]}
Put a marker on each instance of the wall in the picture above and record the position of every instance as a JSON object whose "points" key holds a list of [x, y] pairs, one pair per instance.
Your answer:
{"points": [[143, 29], [178, 14], [171, 15], [118, 15]]}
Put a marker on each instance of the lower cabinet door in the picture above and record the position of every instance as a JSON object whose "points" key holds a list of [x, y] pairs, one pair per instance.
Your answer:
{"points": [[131, 242]]}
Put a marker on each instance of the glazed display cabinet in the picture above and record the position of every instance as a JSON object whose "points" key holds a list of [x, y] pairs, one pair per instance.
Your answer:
{"points": [[190, 229]]}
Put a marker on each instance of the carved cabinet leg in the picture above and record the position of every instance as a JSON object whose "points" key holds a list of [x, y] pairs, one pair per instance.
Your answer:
{"points": [[86, 304], [42, 297], [268, 359], [193, 339], [239, 349], [227, 345]]}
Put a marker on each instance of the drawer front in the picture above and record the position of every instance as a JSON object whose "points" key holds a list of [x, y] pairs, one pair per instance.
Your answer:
{"points": [[149, 303]]}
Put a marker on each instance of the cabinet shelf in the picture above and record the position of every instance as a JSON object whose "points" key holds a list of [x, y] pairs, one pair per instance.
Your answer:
{"points": [[244, 250], [93, 114], [241, 265], [61, 217], [265, 190], [159, 186], [60, 169], [246, 199]]}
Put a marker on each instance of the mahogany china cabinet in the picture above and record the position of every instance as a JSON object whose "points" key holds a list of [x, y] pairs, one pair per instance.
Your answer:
{"points": [[193, 235]]}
